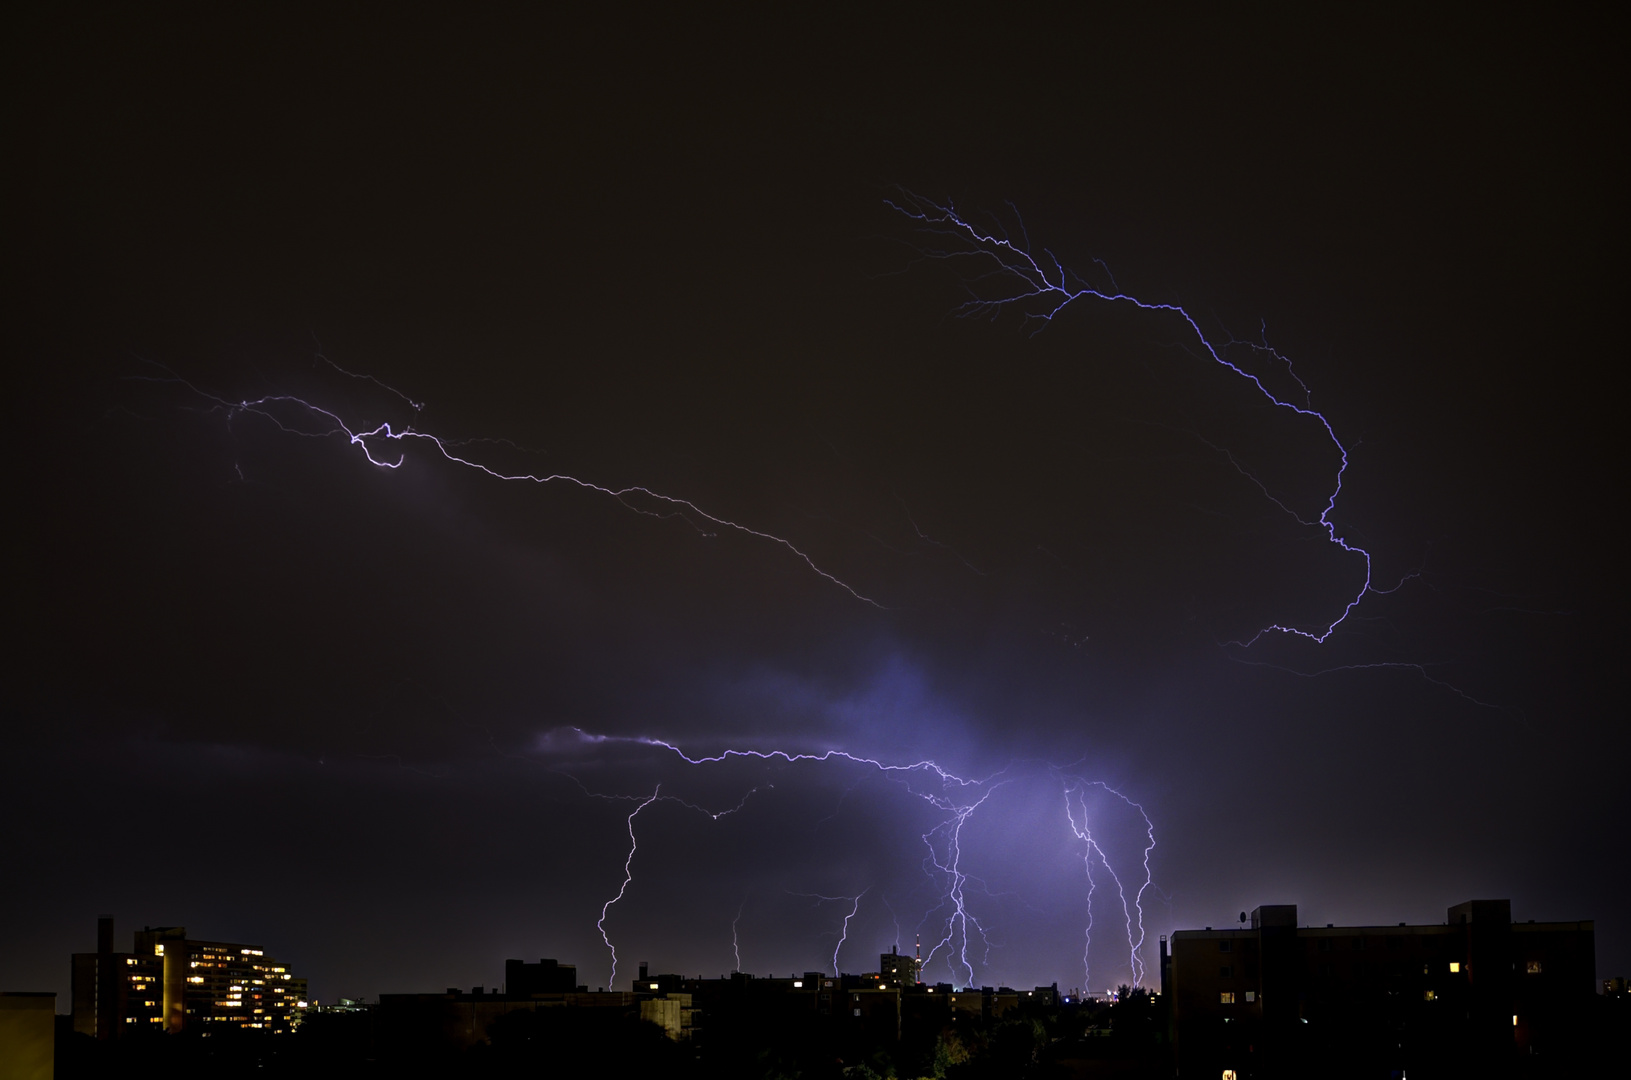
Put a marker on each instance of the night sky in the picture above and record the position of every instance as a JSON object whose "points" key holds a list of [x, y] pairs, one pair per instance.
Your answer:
{"points": [[265, 689]]}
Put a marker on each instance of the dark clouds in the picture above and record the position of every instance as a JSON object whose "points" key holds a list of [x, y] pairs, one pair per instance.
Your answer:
{"points": [[658, 255]]}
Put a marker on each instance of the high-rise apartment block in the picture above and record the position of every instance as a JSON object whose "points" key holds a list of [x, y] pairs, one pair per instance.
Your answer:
{"points": [[897, 971], [169, 982]]}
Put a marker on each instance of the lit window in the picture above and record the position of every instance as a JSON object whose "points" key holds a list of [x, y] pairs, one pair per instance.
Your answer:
{"points": [[1429, 995], [158, 950], [857, 1012], [1228, 1074], [1532, 967], [1227, 997], [1251, 996], [654, 986], [1455, 967], [798, 983], [131, 960], [1514, 1019]]}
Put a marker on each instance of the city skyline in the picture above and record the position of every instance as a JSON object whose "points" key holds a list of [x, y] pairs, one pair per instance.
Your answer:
{"points": [[746, 499]]}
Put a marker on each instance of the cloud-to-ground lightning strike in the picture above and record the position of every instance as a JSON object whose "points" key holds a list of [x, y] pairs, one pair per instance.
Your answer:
{"points": [[959, 921], [958, 798], [736, 940], [628, 876], [1075, 801], [324, 423], [949, 832], [634, 845], [843, 931], [1015, 279]]}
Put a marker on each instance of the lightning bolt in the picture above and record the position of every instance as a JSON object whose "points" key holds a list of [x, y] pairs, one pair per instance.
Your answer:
{"points": [[843, 935], [843, 932], [959, 921], [384, 446], [1133, 909], [628, 876], [958, 799], [736, 942], [1012, 277]]}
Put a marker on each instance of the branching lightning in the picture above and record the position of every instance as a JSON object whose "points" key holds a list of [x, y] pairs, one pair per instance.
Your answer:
{"points": [[1009, 277], [955, 797], [384, 446], [958, 922], [1012, 277], [843, 930], [628, 863], [1077, 813]]}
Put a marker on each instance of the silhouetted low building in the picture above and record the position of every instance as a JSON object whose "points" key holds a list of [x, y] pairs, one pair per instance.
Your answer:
{"points": [[1273, 998], [721, 1024], [522, 979], [409, 1025]]}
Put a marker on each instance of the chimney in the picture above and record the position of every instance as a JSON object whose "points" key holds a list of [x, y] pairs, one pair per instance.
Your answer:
{"points": [[643, 966]]}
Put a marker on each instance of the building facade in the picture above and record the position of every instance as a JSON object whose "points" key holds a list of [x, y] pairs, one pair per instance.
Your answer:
{"points": [[896, 971], [171, 983], [28, 1035], [1271, 998]]}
